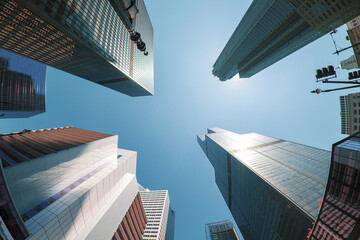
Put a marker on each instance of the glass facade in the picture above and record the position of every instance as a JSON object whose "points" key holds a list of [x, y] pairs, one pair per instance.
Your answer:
{"points": [[22, 86], [84, 38], [271, 186], [339, 214], [271, 30], [220, 231]]}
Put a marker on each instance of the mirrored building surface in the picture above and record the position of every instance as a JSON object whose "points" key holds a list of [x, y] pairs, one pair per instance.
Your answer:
{"points": [[339, 216], [271, 30], [22, 86], [84, 38], [271, 186]]}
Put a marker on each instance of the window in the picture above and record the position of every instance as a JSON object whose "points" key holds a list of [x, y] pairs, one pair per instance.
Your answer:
{"points": [[355, 119]]}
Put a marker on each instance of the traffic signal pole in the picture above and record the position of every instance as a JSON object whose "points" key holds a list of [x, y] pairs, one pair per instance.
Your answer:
{"points": [[334, 89]]}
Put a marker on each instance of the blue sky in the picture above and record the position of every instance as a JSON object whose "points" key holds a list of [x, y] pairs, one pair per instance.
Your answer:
{"points": [[189, 36]]}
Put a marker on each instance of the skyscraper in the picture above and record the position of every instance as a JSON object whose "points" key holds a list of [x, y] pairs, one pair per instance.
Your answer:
{"points": [[350, 113], [161, 218], [271, 30], [271, 186], [349, 63], [68, 183], [339, 214], [221, 231], [89, 39], [22, 86], [354, 36]]}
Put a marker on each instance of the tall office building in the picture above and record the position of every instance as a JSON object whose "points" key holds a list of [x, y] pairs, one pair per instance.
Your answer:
{"points": [[161, 218], [349, 63], [350, 113], [271, 186], [68, 183], [339, 214], [22, 86], [271, 30], [87, 38], [354, 36], [221, 231]]}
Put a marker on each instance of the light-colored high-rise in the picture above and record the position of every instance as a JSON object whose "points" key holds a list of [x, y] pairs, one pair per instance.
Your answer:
{"points": [[68, 183], [271, 186], [350, 113], [349, 63], [223, 230], [160, 216]]}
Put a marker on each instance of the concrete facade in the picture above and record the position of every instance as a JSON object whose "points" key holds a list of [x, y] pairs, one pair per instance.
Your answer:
{"points": [[223, 230], [79, 192], [157, 209], [350, 113]]}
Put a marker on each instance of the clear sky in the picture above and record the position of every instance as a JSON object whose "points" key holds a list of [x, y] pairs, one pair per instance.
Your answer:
{"points": [[189, 36]]}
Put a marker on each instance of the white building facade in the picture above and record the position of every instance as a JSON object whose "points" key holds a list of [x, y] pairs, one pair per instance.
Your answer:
{"points": [[82, 191], [157, 207]]}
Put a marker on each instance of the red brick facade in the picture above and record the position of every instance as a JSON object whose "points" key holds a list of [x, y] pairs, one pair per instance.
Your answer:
{"points": [[133, 224], [27, 145]]}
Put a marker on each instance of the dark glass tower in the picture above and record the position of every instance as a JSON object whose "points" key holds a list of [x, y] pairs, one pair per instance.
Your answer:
{"points": [[272, 29], [22, 86], [86, 38], [339, 216], [271, 186]]}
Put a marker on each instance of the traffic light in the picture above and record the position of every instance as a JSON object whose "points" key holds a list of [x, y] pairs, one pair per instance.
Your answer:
{"points": [[354, 75], [135, 36], [325, 72], [331, 70]]}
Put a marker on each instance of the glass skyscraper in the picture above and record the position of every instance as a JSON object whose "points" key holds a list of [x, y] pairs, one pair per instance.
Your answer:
{"points": [[272, 29], [22, 86], [339, 216], [221, 231], [271, 186], [86, 38]]}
